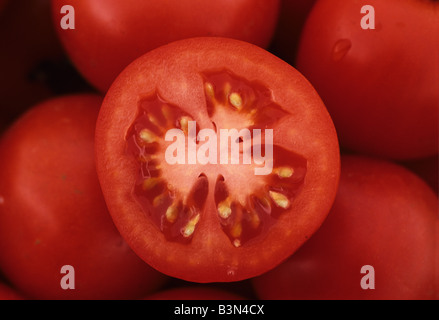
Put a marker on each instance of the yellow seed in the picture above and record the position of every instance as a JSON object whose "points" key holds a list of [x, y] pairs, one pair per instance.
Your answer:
{"points": [[147, 136], [227, 88], [184, 123], [237, 243], [236, 230], [172, 213], [190, 226], [284, 172], [254, 219], [224, 208], [235, 100], [279, 199], [150, 183], [208, 87], [156, 122], [158, 200], [167, 113]]}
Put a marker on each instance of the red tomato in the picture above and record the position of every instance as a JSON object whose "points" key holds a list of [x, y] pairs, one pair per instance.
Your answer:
{"points": [[205, 218], [52, 213], [8, 293], [32, 62], [109, 34], [384, 217], [380, 85], [427, 169], [292, 18], [194, 293]]}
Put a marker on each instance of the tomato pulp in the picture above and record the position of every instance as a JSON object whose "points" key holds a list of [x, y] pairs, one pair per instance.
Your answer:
{"points": [[217, 159]]}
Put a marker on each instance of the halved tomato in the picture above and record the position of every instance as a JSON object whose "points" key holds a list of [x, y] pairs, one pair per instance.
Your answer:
{"points": [[217, 159]]}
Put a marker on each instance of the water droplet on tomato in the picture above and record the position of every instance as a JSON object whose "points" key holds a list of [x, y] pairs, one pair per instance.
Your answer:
{"points": [[340, 49]]}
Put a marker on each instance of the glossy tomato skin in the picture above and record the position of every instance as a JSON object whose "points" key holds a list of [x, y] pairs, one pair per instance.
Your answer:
{"points": [[380, 86], [110, 34], [384, 217], [305, 132], [52, 212]]}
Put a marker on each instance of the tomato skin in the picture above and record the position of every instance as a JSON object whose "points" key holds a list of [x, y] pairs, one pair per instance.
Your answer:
{"points": [[380, 86], [174, 71], [52, 212], [110, 34], [383, 216]]}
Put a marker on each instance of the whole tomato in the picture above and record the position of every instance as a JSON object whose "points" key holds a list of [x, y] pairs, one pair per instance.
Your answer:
{"points": [[54, 223], [292, 18], [381, 85], [33, 64], [378, 241], [109, 34]]}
